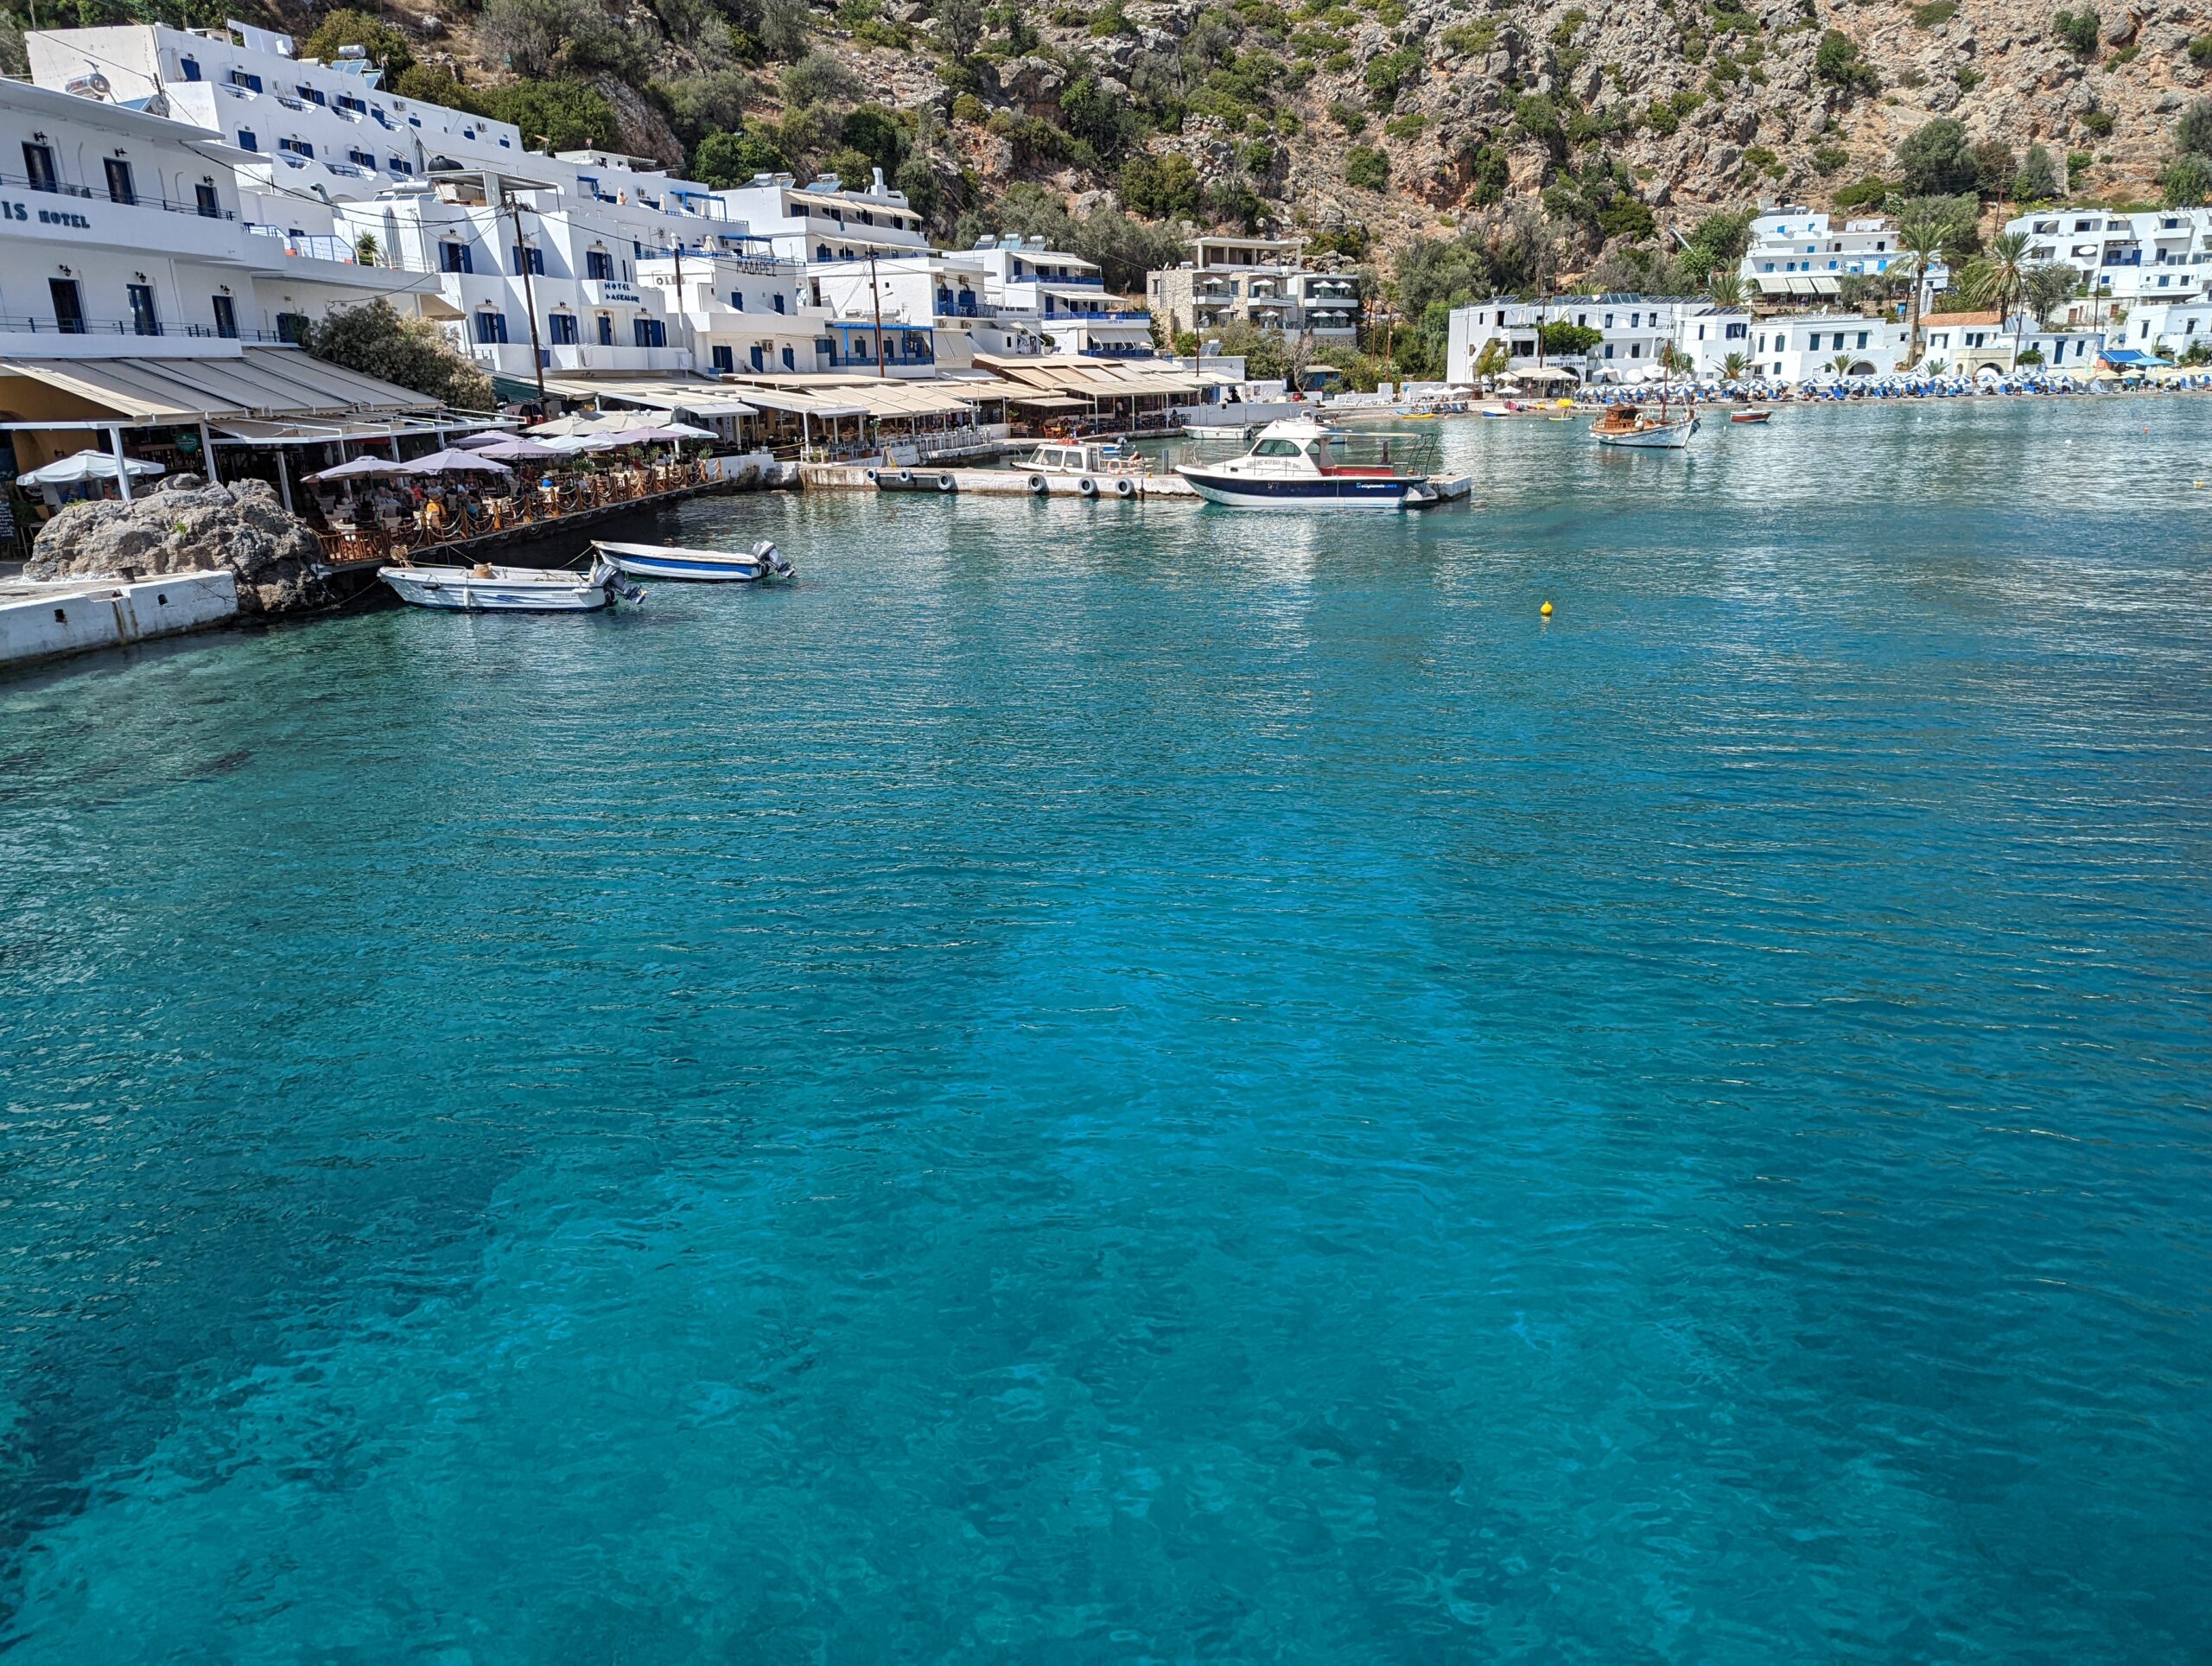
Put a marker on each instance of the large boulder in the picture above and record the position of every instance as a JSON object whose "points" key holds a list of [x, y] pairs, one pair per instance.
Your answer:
{"points": [[188, 527]]}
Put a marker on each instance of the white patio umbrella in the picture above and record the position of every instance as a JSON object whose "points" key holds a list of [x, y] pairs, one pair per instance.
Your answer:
{"points": [[360, 469], [509, 450], [454, 462], [563, 427], [86, 466]]}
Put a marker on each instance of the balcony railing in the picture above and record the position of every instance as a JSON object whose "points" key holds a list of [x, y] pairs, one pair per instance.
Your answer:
{"points": [[31, 326], [87, 194]]}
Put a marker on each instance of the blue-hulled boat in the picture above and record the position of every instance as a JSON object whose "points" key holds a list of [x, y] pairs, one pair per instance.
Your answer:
{"points": [[764, 563]]}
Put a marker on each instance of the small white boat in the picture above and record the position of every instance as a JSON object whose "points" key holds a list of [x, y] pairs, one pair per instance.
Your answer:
{"points": [[763, 562], [1292, 466], [484, 588]]}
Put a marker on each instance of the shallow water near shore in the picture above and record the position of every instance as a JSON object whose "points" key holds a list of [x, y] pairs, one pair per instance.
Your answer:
{"points": [[1111, 1083]]}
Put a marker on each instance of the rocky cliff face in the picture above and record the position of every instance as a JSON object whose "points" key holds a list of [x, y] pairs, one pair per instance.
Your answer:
{"points": [[1405, 116], [186, 526]]}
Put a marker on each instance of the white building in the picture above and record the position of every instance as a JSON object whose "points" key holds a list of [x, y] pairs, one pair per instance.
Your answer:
{"points": [[823, 222], [1795, 252], [2163, 254], [1062, 297], [1632, 329], [328, 131], [128, 236], [1262, 282], [740, 314], [2168, 329], [1807, 346]]}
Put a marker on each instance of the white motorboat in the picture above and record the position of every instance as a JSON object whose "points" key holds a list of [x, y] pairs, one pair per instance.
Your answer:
{"points": [[764, 563], [1293, 465], [484, 588]]}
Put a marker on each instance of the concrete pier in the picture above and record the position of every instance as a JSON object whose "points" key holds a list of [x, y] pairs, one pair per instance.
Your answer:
{"points": [[988, 482], [46, 619]]}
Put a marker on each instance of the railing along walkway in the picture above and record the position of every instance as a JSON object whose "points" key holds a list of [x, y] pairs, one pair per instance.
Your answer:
{"points": [[405, 534]]}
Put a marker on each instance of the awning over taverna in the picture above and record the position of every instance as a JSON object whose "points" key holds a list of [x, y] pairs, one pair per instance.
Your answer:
{"points": [[264, 383]]}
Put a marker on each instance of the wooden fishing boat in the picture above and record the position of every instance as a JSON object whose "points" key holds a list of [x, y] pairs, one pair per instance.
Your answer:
{"points": [[1638, 430], [1749, 416]]}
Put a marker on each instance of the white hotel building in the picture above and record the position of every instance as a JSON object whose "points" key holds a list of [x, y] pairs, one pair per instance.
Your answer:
{"points": [[2159, 254], [1633, 329]]}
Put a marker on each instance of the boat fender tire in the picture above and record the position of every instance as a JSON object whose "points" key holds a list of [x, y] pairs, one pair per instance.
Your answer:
{"points": [[945, 482], [1088, 487], [906, 477], [1037, 485], [874, 477], [1125, 488]]}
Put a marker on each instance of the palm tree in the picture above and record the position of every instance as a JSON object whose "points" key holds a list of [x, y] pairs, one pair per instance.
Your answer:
{"points": [[366, 249], [1841, 364], [1921, 239], [1734, 366], [1999, 278], [1674, 359], [1724, 291]]}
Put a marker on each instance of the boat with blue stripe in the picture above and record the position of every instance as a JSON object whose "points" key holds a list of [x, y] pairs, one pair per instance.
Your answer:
{"points": [[763, 563]]}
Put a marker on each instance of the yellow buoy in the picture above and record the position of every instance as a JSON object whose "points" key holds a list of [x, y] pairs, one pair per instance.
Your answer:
{"points": [[1547, 610]]}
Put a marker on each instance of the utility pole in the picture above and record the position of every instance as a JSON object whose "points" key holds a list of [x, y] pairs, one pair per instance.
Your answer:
{"points": [[529, 301], [876, 295]]}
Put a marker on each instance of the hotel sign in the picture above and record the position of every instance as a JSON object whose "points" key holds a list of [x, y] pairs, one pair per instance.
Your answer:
{"points": [[17, 211]]}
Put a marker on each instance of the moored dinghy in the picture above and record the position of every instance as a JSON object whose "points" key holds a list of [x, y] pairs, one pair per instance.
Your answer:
{"points": [[764, 563], [484, 588]]}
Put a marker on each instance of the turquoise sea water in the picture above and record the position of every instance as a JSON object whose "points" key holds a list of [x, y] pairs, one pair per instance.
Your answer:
{"points": [[1114, 1083]]}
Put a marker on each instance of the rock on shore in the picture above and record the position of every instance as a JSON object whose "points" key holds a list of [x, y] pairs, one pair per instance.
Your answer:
{"points": [[184, 525]]}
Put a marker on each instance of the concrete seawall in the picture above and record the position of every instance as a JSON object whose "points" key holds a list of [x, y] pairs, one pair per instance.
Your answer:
{"points": [[48, 619]]}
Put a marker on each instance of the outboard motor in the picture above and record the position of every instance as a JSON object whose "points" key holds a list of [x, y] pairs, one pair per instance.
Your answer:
{"points": [[615, 581], [772, 560]]}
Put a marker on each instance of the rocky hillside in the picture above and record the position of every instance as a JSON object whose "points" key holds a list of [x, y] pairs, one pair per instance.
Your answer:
{"points": [[1375, 123]]}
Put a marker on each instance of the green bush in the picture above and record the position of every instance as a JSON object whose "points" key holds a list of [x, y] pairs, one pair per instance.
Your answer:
{"points": [[2200, 51], [428, 85], [2097, 123], [375, 341], [1969, 77], [1406, 128], [1838, 63], [1830, 158], [728, 160], [1165, 188], [1867, 193], [1367, 168], [348, 28], [1471, 40], [1936, 13], [2077, 31], [970, 109], [1350, 117], [1388, 73], [2038, 180], [555, 115], [2078, 163], [1935, 159]]}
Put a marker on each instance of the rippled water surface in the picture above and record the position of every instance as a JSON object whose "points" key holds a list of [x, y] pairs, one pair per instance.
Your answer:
{"points": [[1099, 1084]]}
